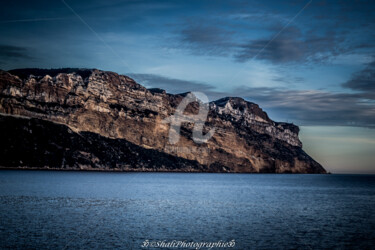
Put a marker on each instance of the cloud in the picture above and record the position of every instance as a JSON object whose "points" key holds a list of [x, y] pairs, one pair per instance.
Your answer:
{"points": [[13, 52], [292, 45], [311, 107], [279, 51], [363, 80], [303, 107], [206, 39], [10, 54], [319, 35]]}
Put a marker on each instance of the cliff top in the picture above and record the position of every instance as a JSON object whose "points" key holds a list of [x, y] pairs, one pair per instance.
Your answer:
{"points": [[235, 103]]}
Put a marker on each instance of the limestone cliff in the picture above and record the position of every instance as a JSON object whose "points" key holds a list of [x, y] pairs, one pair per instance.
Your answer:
{"points": [[115, 110]]}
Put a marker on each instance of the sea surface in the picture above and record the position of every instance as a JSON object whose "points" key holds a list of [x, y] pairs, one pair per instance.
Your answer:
{"points": [[101, 210]]}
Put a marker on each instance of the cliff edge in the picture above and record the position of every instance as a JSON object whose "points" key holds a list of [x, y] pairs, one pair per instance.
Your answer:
{"points": [[99, 120]]}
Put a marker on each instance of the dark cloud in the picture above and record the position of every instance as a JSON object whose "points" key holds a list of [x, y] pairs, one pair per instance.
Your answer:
{"points": [[10, 53], [363, 80], [279, 51], [292, 45], [206, 39], [13, 52]]}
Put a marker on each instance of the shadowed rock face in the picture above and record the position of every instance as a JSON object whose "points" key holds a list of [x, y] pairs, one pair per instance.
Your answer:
{"points": [[114, 107]]}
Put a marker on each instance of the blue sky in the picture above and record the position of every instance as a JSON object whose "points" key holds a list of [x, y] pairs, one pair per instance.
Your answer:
{"points": [[307, 62]]}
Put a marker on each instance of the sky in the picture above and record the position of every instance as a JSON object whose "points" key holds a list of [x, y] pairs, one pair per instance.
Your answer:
{"points": [[308, 62]]}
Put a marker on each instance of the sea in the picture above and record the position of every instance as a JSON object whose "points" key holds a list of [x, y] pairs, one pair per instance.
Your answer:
{"points": [[108, 210]]}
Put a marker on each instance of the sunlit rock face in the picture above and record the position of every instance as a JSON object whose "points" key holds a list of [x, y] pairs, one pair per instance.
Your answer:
{"points": [[115, 107], [250, 115]]}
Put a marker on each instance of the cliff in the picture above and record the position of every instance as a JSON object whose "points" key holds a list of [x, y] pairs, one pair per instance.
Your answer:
{"points": [[93, 119]]}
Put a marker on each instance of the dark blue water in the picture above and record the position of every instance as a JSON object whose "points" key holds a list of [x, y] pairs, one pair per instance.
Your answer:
{"points": [[68, 210]]}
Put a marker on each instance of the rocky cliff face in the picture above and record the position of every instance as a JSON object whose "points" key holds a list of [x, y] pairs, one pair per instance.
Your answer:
{"points": [[115, 110]]}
